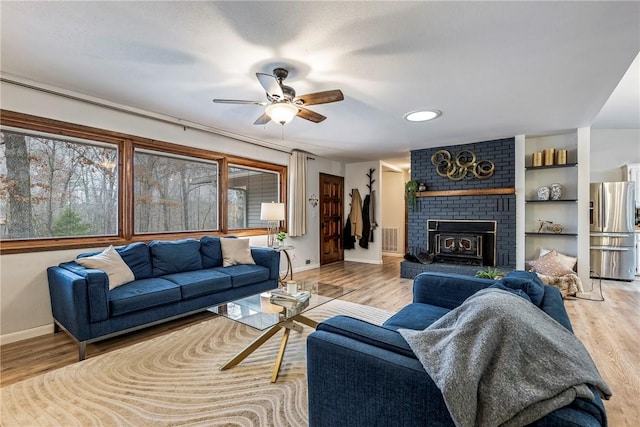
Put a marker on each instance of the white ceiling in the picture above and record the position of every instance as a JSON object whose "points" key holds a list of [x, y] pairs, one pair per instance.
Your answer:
{"points": [[495, 69]]}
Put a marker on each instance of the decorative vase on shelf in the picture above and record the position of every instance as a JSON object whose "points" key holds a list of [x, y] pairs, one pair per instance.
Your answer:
{"points": [[555, 191], [543, 193]]}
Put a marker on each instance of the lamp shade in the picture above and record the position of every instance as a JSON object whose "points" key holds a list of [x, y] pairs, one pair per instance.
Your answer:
{"points": [[281, 112], [272, 211]]}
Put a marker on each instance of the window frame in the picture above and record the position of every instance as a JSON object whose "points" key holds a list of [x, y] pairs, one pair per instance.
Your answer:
{"points": [[280, 189], [126, 145]]}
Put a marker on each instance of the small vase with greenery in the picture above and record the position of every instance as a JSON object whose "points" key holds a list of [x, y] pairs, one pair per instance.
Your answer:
{"points": [[280, 238], [490, 273]]}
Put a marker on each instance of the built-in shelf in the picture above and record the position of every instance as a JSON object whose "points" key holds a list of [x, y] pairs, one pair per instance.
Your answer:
{"points": [[534, 233], [567, 165], [477, 192], [551, 201]]}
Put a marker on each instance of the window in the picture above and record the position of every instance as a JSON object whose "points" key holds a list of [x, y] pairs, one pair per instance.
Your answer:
{"points": [[52, 187], [174, 193], [64, 185], [248, 188]]}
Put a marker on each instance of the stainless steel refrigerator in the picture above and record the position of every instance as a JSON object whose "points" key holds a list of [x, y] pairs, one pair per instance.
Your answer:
{"points": [[612, 214]]}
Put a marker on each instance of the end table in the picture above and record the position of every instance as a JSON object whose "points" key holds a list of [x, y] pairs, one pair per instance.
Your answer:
{"points": [[289, 271]]}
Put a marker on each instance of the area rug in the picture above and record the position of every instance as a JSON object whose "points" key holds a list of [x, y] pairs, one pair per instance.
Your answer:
{"points": [[174, 380]]}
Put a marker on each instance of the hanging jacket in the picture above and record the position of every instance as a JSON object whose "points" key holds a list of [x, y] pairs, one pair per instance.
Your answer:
{"points": [[348, 241], [366, 225], [356, 214]]}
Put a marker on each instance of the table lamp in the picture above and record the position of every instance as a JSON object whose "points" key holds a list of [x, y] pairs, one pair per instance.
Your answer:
{"points": [[273, 213]]}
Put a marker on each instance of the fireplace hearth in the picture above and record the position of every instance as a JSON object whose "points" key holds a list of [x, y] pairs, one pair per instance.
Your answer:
{"points": [[469, 242]]}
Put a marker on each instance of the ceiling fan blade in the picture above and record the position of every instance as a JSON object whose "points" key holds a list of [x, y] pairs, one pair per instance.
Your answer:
{"points": [[238, 101], [310, 115], [320, 97], [262, 120], [270, 85]]}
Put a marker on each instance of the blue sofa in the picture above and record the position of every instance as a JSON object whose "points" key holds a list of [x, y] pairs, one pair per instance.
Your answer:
{"points": [[172, 279], [361, 374]]}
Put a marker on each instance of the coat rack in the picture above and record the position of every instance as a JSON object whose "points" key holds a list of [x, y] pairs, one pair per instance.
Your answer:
{"points": [[371, 180]]}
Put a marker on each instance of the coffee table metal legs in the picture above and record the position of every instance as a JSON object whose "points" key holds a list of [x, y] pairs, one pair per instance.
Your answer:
{"points": [[255, 344]]}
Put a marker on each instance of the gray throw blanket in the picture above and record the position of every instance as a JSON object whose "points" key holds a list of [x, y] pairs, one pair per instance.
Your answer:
{"points": [[500, 360]]}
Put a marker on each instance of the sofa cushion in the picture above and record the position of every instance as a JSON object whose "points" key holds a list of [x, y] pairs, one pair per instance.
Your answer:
{"points": [[141, 294], [445, 289], [211, 252], [244, 274], [518, 292], [111, 263], [416, 316], [135, 255], [235, 251], [138, 258], [529, 282], [176, 256], [363, 331], [199, 282]]}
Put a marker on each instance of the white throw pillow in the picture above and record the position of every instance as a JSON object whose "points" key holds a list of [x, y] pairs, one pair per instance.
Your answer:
{"points": [[111, 263], [235, 251], [567, 260], [550, 264]]}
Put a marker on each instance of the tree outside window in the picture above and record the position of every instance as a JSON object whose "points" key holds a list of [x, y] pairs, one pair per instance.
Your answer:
{"points": [[53, 187], [174, 193]]}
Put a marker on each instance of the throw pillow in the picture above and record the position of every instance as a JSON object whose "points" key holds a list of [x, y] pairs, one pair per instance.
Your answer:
{"points": [[235, 251], [518, 292], [567, 260], [550, 264], [527, 282], [111, 263]]}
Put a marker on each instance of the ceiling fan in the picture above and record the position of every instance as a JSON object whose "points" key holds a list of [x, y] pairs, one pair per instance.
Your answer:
{"points": [[283, 103]]}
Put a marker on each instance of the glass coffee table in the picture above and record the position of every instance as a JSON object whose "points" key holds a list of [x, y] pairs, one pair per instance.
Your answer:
{"points": [[258, 312]]}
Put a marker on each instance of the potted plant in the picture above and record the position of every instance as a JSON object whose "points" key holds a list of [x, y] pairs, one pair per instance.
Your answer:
{"points": [[490, 273], [280, 238], [410, 190]]}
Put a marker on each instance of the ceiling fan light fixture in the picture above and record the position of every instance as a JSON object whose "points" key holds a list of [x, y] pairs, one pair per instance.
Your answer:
{"points": [[422, 115], [281, 112]]}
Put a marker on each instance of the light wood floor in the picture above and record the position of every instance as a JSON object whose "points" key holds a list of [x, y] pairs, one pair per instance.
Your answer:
{"points": [[610, 330]]}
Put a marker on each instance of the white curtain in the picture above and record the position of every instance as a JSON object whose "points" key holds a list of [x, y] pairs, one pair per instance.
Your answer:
{"points": [[297, 193]]}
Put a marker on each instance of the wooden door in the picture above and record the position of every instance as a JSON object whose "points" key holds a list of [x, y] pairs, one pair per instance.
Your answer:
{"points": [[331, 224]]}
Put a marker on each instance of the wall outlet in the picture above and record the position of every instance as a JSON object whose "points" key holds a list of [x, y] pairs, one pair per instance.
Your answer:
{"points": [[307, 261]]}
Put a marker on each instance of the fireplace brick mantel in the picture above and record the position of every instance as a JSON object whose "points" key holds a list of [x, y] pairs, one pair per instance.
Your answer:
{"points": [[469, 199]]}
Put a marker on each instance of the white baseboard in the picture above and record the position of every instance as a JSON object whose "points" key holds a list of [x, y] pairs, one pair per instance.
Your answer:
{"points": [[306, 267], [396, 254], [365, 261], [26, 334]]}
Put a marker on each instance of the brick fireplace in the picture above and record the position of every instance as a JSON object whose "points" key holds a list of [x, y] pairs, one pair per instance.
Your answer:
{"points": [[470, 201]]}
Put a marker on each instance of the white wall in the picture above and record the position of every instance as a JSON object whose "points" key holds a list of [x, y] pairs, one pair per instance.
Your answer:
{"points": [[356, 177], [610, 150], [308, 247], [24, 296]]}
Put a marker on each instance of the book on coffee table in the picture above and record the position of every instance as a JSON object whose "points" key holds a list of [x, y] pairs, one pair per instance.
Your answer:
{"points": [[284, 299]]}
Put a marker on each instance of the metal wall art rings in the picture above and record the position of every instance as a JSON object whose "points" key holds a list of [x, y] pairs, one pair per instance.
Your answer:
{"points": [[465, 162]]}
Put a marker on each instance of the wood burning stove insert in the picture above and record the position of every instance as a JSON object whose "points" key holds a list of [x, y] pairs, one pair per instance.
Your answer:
{"points": [[470, 242]]}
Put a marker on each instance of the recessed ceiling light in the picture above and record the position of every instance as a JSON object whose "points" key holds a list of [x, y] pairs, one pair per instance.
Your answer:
{"points": [[423, 115]]}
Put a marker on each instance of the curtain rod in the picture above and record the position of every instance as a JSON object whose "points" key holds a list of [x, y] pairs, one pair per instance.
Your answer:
{"points": [[148, 115]]}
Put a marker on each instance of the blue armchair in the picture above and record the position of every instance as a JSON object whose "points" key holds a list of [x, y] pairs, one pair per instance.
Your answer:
{"points": [[362, 374]]}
